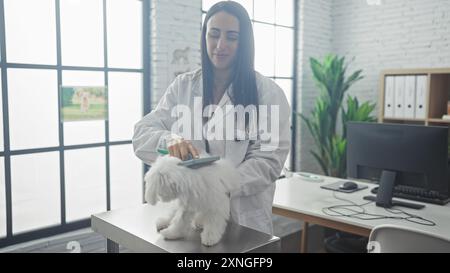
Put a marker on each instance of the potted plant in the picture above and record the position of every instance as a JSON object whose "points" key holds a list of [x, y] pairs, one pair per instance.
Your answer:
{"points": [[330, 78]]}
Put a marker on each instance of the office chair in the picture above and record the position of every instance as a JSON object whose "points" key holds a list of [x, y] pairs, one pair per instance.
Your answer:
{"points": [[392, 238]]}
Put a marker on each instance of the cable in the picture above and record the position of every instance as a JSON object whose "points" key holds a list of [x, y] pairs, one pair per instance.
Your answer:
{"points": [[411, 217], [363, 215]]}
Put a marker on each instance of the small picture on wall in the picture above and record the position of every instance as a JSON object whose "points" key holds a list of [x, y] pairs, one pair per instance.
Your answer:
{"points": [[84, 103]]}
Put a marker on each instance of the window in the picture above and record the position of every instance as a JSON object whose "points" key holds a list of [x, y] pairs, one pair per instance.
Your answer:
{"points": [[35, 191], [58, 174], [2, 199], [273, 27], [85, 182], [82, 33], [30, 31], [83, 132], [33, 108], [1, 120], [124, 24], [126, 170]]}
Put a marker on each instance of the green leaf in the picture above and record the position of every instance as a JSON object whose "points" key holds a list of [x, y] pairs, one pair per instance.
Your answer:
{"points": [[355, 112], [332, 83]]}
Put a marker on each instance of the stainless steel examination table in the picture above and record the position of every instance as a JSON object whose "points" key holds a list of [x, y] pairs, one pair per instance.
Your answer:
{"points": [[134, 228]]}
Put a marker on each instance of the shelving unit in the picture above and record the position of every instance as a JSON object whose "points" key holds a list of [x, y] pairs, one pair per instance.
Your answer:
{"points": [[437, 95]]}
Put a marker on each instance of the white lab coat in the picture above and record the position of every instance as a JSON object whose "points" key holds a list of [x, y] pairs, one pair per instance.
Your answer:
{"points": [[251, 205]]}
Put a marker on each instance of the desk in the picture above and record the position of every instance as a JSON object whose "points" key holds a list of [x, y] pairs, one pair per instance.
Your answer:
{"points": [[135, 229], [304, 200]]}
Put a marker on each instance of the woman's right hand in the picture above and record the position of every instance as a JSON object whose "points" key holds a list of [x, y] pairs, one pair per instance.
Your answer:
{"points": [[182, 148]]}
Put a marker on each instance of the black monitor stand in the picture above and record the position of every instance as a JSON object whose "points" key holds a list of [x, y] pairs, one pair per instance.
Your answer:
{"points": [[385, 192]]}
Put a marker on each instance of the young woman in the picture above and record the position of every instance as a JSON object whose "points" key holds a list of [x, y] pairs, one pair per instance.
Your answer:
{"points": [[226, 78]]}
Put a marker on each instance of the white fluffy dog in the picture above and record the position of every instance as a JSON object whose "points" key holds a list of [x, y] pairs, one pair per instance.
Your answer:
{"points": [[203, 195]]}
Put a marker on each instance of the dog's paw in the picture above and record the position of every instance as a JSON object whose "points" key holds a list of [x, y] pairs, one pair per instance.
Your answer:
{"points": [[170, 234], [162, 223], [210, 237]]}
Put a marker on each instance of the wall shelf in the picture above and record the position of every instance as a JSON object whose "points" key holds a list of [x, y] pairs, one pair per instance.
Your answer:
{"points": [[436, 120], [437, 94]]}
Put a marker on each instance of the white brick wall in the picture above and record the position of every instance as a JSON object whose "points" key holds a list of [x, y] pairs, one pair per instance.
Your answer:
{"points": [[314, 41], [397, 34], [175, 26]]}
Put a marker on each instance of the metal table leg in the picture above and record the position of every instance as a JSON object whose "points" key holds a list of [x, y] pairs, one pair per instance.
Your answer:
{"points": [[304, 242], [111, 246]]}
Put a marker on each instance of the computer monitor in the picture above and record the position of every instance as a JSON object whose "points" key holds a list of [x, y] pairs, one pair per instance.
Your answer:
{"points": [[417, 153]]}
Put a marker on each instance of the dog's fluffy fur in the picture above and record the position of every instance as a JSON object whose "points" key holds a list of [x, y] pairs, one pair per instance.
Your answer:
{"points": [[203, 195]]}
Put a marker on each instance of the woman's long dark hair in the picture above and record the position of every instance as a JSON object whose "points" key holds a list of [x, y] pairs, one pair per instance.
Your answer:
{"points": [[244, 90]]}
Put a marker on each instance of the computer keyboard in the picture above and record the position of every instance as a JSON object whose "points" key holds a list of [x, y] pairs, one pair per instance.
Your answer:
{"points": [[422, 195]]}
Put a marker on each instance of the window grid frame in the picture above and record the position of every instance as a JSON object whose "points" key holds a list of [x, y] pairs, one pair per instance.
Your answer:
{"points": [[59, 68]]}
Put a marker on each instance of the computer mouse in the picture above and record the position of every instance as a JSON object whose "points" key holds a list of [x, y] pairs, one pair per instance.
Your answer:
{"points": [[348, 186]]}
